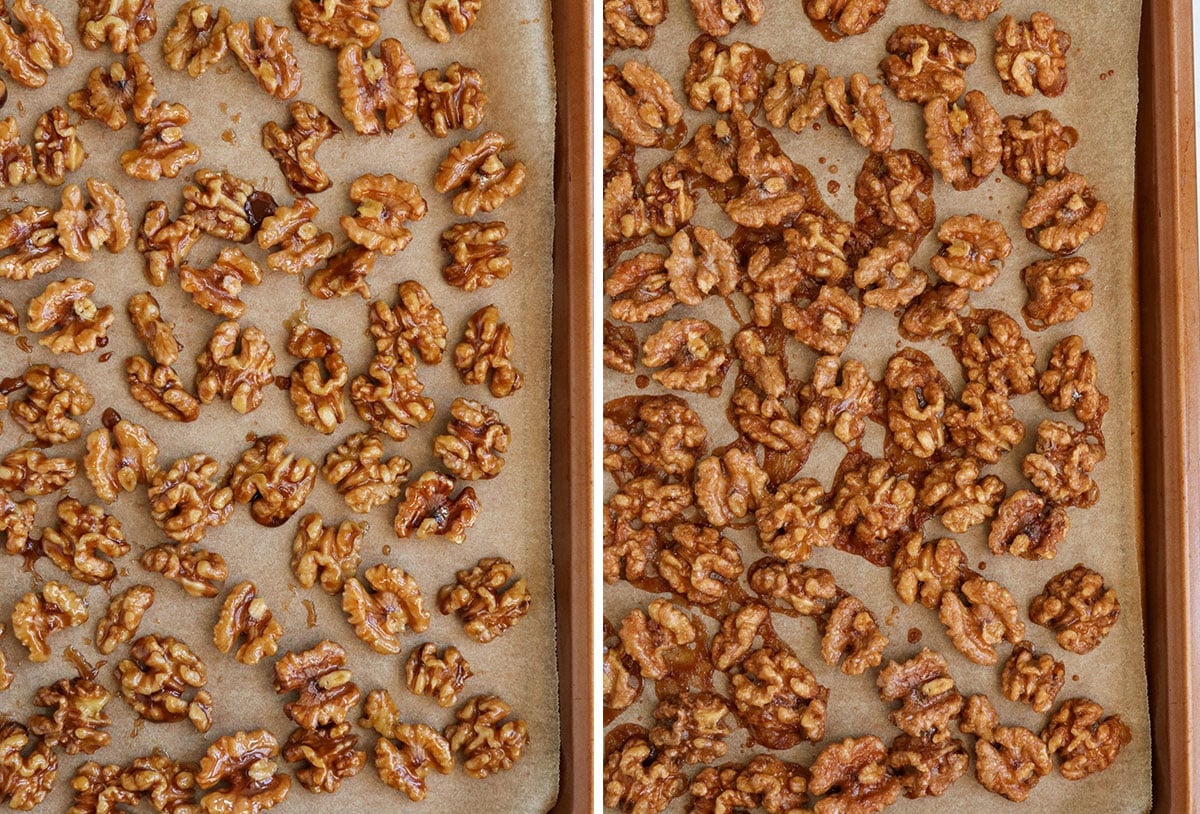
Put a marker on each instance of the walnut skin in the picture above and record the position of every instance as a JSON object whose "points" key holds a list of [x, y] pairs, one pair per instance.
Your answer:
{"points": [[476, 165], [38, 614], [362, 477], [155, 678], [372, 86], [487, 598], [243, 771], [326, 695], [295, 148], [1078, 607], [924, 62], [488, 742], [269, 58], [1032, 55], [379, 615], [244, 614], [428, 510]]}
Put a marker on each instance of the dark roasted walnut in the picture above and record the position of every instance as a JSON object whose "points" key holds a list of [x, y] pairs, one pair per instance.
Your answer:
{"points": [[364, 479], [854, 776], [123, 24], [226, 206], [765, 783], [860, 108], [794, 519], [638, 777], [474, 441], [852, 639], [691, 352], [925, 62], [955, 490], [929, 699], [978, 616], [40, 44], [392, 605], [430, 509], [28, 767], [730, 487], [963, 142], [484, 354], [327, 554], [57, 149], [640, 288], [170, 786], [718, 17], [189, 498], [927, 765], [165, 243], [478, 254], [385, 204], [441, 676], [39, 613], [421, 751], [971, 249], [272, 480], [378, 93], [156, 678], [1061, 464], [718, 75], [159, 389], [245, 616], [983, 423], [488, 742], [796, 96], [894, 191], [1032, 680], [966, 10], [242, 773], [295, 147], [842, 18], [994, 352], [29, 470], [778, 699], [440, 18], [620, 347], [325, 693], [924, 571], [697, 562], [16, 159], [644, 434], [71, 321], [197, 571], [345, 273], [328, 755], [916, 395], [1062, 213], [154, 331], [1058, 290], [695, 724], [339, 23], [839, 399], [55, 395], [1085, 741], [631, 23], [76, 720], [1032, 55], [475, 166], [85, 542], [827, 323], [1069, 382], [298, 243], [217, 288], [124, 615], [1078, 607], [29, 237], [162, 151], [1035, 147], [236, 366], [450, 100], [268, 56], [197, 39], [489, 598], [640, 106]]}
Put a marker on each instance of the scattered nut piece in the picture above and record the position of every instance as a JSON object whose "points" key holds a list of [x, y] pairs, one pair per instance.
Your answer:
{"points": [[925, 570], [216, 288], [124, 615], [421, 750], [631, 23], [392, 605], [360, 473], [977, 616], [844, 18], [971, 247], [65, 310], [326, 694], [343, 274], [438, 18], [1085, 743], [440, 676], [1035, 147], [156, 676], [269, 59], [477, 166], [1061, 463], [113, 91], [161, 151], [370, 86], [854, 775], [244, 614], [84, 537], [427, 509], [929, 698], [1034, 681], [388, 397], [413, 324], [243, 770], [718, 17], [272, 480], [963, 142], [956, 491], [488, 742], [189, 498], [839, 398], [1078, 607], [487, 598], [641, 107], [199, 572], [1069, 382], [29, 470], [295, 148], [478, 254], [966, 10], [638, 776], [1032, 55], [450, 100], [236, 366], [860, 108], [39, 613], [197, 39]]}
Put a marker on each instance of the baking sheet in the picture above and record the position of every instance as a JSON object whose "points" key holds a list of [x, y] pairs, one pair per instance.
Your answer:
{"points": [[1099, 103], [228, 110]]}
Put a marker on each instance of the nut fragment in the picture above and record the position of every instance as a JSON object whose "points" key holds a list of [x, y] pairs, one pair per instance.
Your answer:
{"points": [[272, 480], [1034, 681], [298, 243], [978, 616], [153, 330], [392, 605], [161, 151], [925, 62], [964, 142], [765, 782], [269, 58], [925, 570], [438, 18], [1010, 761], [966, 10], [955, 490], [159, 389], [1085, 743], [852, 639], [165, 243], [57, 149], [123, 24], [77, 719], [244, 614], [328, 755], [156, 677], [1069, 382], [476, 165], [929, 699], [55, 395], [124, 615], [364, 479], [41, 45], [169, 785], [1058, 291], [718, 17], [971, 247], [440, 676], [487, 598], [372, 86], [326, 553], [243, 770], [1060, 465], [1062, 213], [854, 774], [843, 18], [1035, 147], [345, 273], [295, 148], [478, 254], [16, 159], [199, 572], [65, 310], [1032, 55], [894, 191], [325, 693], [189, 498], [84, 537], [916, 395], [216, 288], [693, 352], [860, 108], [28, 767], [29, 470], [226, 206], [29, 238], [236, 366], [488, 742], [197, 39], [39, 613], [1078, 607]]}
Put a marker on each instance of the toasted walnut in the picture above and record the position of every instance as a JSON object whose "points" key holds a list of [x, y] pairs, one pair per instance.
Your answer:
{"points": [[794, 519], [371, 86], [1034, 681], [245, 615], [16, 159], [32, 237], [894, 191], [298, 243], [693, 352], [295, 147], [450, 100], [669, 203], [650, 500], [421, 751], [156, 676], [475, 437], [189, 498], [1085, 743], [631, 23], [620, 347], [854, 775], [693, 724], [928, 764], [778, 699], [701, 263], [161, 151], [697, 562], [120, 622], [327, 754], [733, 641], [83, 538], [765, 782], [622, 681], [39, 613], [438, 18], [1010, 761], [385, 203], [978, 616], [440, 676], [925, 62], [159, 389], [226, 206], [75, 323], [56, 147], [954, 490], [392, 605], [1032, 55], [873, 502], [123, 24], [54, 396], [885, 275], [1061, 463], [345, 273], [1035, 147], [640, 106], [993, 351], [41, 44], [964, 142], [860, 108], [483, 355], [169, 785], [916, 394], [929, 699], [269, 57], [807, 591], [243, 770], [199, 572], [28, 767], [1028, 526], [165, 243], [8, 318], [1069, 382], [428, 509], [984, 424], [29, 470], [155, 332], [827, 323], [197, 38], [317, 384], [722, 76], [839, 399], [852, 638], [1078, 607], [16, 524], [380, 713], [216, 288], [839, 18], [652, 433], [729, 487], [476, 165], [796, 96], [718, 17], [767, 421], [1058, 290], [330, 554], [272, 480], [326, 695], [488, 742], [478, 254], [235, 366], [925, 570], [77, 719], [638, 777], [971, 245], [966, 10], [639, 288], [1062, 213], [488, 598], [364, 479], [113, 91], [98, 788], [339, 23]]}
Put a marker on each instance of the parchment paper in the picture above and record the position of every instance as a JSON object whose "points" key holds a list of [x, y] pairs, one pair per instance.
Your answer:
{"points": [[1100, 102], [510, 45]]}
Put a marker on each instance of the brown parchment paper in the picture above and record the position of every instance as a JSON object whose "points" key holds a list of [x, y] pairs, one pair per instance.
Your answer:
{"points": [[1100, 102], [510, 45]]}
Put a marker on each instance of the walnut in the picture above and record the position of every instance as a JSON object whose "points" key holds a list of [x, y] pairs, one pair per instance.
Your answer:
{"points": [[807, 591], [169, 785], [199, 572], [650, 500], [873, 502], [428, 509], [693, 351], [894, 191], [197, 39], [330, 554], [854, 774], [916, 394], [765, 782], [651, 433], [345, 273], [327, 754], [778, 699], [478, 254], [729, 487], [631, 23], [1058, 291], [964, 142], [1069, 382], [852, 638], [925, 62], [269, 58], [16, 524], [638, 777], [620, 347], [489, 743], [971, 245], [161, 151], [1035, 147], [839, 18], [243, 771], [226, 206], [29, 470], [414, 323], [392, 605], [41, 45], [718, 17], [75, 323], [159, 389], [440, 676], [1034, 681], [1085, 743], [926, 570], [244, 614], [967, 10], [474, 437], [385, 203], [235, 366], [156, 676], [1010, 761], [38, 614], [360, 473], [77, 719], [339, 23], [155, 332], [438, 18], [929, 699], [54, 396], [317, 384], [622, 681], [124, 615], [488, 598], [272, 480], [298, 243], [8, 318], [837, 399], [796, 96], [370, 86], [668, 202], [693, 724], [28, 767], [640, 106], [639, 288], [32, 237], [983, 424], [326, 695], [421, 750], [295, 147], [98, 788], [927, 765], [860, 108], [483, 355], [56, 147], [1032, 55], [722, 76], [1078, 607], [123, 24], [993, 351], [697, 562], [189, 498], [736, 637], [450, 100], [827, 323], [955, 491], [885, 275], [82, 540], [1062, 213], [1061, 463], [476, 165], [16, 159], [216, 288], [794, 519], [165, 243], [111, 92], [711, 267], [978, 616]]}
